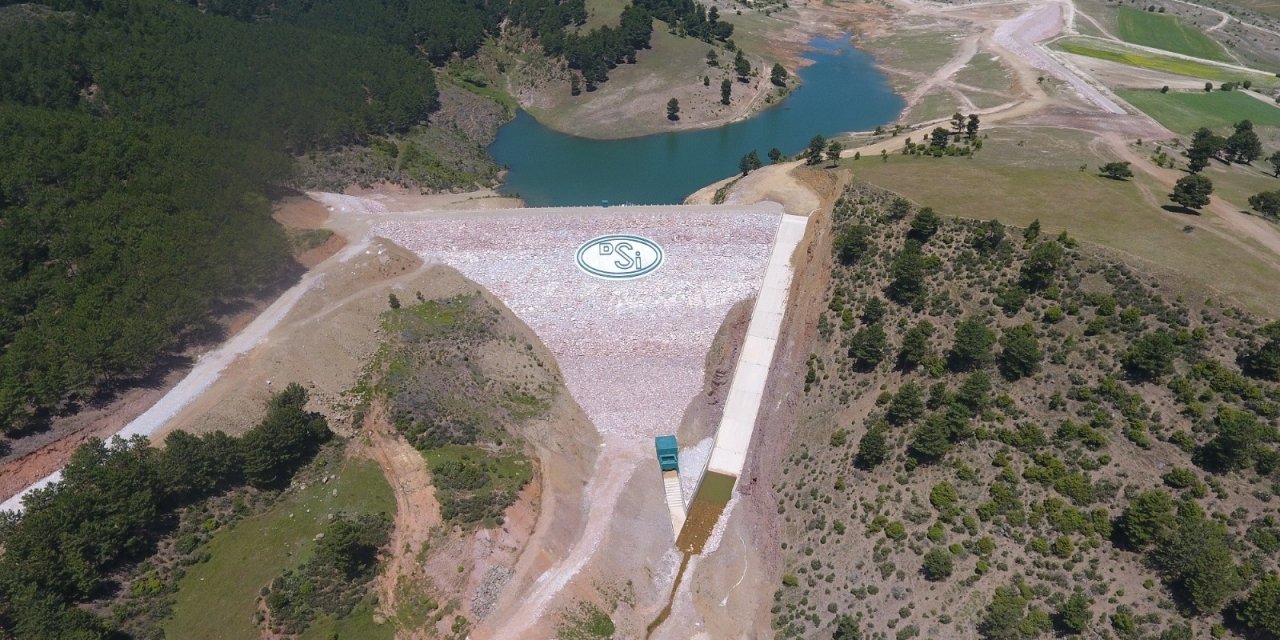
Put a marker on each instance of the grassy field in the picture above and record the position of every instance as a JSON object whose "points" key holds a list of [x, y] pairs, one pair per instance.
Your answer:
{"points": [[1186, 111], [603, 13], [919, 51], [1025, 174], [985, 71], [1177, 66], [1168, 33], [932, 107], [217, 599], [1235, 183]]}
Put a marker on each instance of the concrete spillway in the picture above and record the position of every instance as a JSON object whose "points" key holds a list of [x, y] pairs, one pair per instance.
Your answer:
{"points": [[675, 499], [746, 392]]}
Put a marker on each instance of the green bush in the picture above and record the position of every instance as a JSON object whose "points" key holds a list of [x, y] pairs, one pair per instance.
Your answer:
{"points": [[1151, 356], [938, 564], [1260, 611], [1074, 614], [1020, 353], [972, 346], [943, 497], [873, 448]]}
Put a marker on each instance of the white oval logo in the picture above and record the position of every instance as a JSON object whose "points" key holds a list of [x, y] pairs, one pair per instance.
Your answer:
{"points": [[619, 256]]}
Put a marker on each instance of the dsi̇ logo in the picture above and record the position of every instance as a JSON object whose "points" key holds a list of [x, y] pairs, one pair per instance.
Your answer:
{"points": [[619, 257]]}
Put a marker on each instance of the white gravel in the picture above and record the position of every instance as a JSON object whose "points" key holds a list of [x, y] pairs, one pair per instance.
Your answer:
{"points": [[1022, 35], [632, 352], [348, 204]]}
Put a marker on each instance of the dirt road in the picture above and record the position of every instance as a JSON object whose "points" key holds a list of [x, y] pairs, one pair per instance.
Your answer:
{"points": [[417, 511]]}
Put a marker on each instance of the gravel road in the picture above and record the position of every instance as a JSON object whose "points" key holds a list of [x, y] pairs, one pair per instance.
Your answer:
{"points": [[204, 373]]}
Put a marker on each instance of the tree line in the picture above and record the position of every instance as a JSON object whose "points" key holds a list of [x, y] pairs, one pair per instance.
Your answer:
{"points": [[140, 141], [690, 18], [116, 501], [593, 54], [116, 240], [154, 62], [600, 50]]}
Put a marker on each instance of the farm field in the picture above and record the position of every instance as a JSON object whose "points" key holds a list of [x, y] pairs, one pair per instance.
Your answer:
{"points": [[1186, 111], [217, 599], [1168, 33], [1096, 49]]}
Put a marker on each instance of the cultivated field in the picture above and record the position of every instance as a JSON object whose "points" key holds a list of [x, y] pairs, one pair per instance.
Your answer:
{"points": [[1168, 33], [1186, 111], [1155, 62]]}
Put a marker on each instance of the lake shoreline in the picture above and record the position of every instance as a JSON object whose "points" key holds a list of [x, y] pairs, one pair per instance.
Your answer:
{"points": [[843, 90]]}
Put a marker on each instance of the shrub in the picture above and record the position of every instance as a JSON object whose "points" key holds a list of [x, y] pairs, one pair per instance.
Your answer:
{"points": [[1074, 614], [1180, 478], [972, 346], [1020, 353], [1148, 515], [1151, 356], [846, 629], [1260, 611], [873, 448], [895, 531], [1010, 299], [943, 496], [938, 564], [1008, 618]]}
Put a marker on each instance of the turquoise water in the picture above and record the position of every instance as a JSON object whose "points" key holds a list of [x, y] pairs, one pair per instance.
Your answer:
{"points": [[841, 91]]}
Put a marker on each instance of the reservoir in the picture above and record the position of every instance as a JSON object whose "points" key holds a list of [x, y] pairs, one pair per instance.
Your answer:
{"points": [[841, 91]]}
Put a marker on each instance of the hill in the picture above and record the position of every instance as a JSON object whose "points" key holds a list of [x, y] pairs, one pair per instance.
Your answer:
{"points": [[1003, 434]]}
